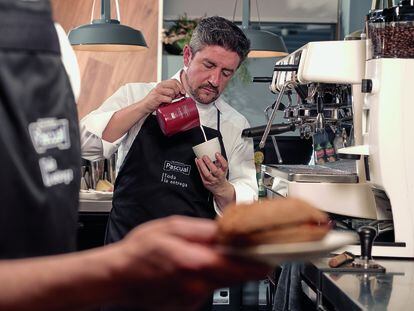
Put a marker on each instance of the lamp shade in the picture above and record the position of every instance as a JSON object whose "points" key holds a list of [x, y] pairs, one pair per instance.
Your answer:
{"points": [[108, 36], [265, 44], [262, 43]]}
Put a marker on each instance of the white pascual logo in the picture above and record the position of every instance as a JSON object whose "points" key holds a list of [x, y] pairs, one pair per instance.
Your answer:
{"points": [[50, 133], [173, 166], [51, 175]]}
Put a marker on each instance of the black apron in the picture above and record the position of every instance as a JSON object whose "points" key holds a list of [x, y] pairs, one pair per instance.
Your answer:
{"points": [[159, 178], [39, 136]]}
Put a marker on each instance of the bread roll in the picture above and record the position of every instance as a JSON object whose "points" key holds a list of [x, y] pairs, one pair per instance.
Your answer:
{"points": [[271, 221]]}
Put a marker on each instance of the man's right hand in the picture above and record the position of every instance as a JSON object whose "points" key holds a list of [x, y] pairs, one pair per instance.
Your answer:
{"points": [[122, 120], [165, 92]]}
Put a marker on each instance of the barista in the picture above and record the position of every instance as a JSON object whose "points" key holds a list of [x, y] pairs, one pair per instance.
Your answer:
{"points": [[144, 188]]}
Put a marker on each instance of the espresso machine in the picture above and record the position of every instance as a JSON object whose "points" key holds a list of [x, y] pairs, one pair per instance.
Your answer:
{"points": [[326, 78], [365, 82], [387, 146]]}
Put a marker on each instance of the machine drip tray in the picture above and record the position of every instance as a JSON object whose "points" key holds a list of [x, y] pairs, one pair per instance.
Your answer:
{"points": [[314, 173]]}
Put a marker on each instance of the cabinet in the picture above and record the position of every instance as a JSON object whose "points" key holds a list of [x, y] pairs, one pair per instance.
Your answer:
{"points": [[91, 229]]}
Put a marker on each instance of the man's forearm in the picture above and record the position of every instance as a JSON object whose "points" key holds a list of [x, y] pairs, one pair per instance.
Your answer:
{"points": [[225, 196], [122, 121], [64, 282]]}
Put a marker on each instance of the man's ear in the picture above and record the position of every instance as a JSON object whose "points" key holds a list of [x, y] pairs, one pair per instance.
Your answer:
{"points": [[187, 54]]}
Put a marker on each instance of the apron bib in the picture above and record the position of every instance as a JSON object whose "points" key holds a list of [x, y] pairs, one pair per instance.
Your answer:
{"points": [[159, 178]]}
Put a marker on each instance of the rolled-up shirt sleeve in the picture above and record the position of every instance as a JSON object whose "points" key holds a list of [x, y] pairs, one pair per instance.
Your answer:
{"points": [[243, 178], [93, 125], [242, 171], [93, 146]]}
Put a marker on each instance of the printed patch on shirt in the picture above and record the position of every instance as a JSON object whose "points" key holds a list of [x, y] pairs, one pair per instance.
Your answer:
{"points": [[50, 133], [178, 167], [51, 175]]}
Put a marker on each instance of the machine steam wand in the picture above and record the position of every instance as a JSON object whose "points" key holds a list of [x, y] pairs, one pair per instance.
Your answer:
{"points": [[278, 155], [292, 127], [288, 84]]}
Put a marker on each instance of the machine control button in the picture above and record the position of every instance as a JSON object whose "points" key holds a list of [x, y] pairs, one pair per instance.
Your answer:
{"points": [[366, 86]]}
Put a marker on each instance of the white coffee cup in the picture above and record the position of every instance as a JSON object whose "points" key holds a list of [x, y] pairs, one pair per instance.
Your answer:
{"points": [[208, 148]]}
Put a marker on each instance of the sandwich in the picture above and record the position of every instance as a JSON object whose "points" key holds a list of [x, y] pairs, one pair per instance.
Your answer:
{"points": [[271, 221]]}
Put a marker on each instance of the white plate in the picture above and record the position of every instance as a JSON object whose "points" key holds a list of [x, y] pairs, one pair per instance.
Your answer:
{"points": [[95, 195], [274, 254]]}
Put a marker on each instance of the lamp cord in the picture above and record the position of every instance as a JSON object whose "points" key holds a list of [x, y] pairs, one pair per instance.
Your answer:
{"points": [[117, 10], [234, 10], [118, 14], [258, 14], [93, 10]]}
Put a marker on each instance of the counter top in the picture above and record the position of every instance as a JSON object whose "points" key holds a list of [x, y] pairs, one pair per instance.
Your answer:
{"points": [[95, 206], [392, 290]]}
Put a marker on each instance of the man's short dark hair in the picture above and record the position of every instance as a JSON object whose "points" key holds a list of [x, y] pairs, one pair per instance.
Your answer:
{"points": [[219, 31]]}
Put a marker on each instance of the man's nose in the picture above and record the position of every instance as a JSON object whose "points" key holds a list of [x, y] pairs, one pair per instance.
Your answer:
{"points": [[215, 77]]}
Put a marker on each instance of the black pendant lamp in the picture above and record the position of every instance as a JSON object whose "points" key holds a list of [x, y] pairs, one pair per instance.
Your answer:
{"points": [[106, 34], [263, 43]]}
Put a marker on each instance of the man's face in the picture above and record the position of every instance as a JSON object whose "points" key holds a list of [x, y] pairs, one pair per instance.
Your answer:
{"points": [[208, 72]]}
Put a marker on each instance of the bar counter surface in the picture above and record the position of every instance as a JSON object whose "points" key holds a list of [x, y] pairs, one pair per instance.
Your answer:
{"points": [[392, 290]]}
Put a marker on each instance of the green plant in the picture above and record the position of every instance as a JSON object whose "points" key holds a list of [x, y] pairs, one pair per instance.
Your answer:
{"points": [[241, 78], [179, 34], [240, 81], [243, 74]]}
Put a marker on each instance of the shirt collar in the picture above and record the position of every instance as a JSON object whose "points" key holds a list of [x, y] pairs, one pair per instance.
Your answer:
{"points": [[217, 103]]}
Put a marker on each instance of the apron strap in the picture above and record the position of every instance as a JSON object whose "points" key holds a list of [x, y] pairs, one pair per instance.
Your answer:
{"points": [[221, 137], [218, 119]]}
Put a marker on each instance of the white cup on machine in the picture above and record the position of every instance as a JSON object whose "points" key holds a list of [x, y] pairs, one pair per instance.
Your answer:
{"points": [[208, 148]]}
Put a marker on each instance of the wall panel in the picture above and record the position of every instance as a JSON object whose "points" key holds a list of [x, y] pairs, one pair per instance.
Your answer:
{"points": [[103, 73]]}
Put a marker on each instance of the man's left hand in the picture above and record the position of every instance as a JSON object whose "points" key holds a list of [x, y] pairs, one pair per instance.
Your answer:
{"points": [[214, 178]]}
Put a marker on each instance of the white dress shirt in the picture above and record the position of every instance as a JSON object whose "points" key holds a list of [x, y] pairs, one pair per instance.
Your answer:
{"points": [[239, 151], [69, 61]]}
